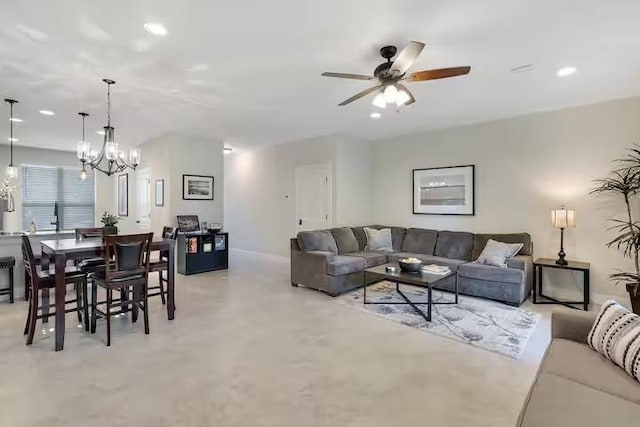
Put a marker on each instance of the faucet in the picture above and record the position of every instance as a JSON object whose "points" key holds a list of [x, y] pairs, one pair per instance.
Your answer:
{"points": [[56, 218]]}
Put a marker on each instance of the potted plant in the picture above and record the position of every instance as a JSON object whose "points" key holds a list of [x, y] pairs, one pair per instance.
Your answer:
{"points": [[624, 181], [109, 221]]}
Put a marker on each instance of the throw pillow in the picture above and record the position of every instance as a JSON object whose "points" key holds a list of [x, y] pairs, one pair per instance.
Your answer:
{"points": [[497, 253], [616, 335], [379, 240]]}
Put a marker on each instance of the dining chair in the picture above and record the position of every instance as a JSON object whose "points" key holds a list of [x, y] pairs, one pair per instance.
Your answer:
{"points": [[43, 281], [128, 272], [90, 265], [161, 265]]}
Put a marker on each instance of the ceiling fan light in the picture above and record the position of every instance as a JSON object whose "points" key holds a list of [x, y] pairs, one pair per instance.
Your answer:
{"points": [[380, 101], [402, 97], [390, 94]]}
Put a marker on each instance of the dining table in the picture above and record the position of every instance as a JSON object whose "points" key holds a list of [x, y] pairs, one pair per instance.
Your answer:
{"points": [[62, 250]]}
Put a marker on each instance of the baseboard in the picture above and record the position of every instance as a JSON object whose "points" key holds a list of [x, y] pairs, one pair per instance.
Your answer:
{"points": [[279, 258]]}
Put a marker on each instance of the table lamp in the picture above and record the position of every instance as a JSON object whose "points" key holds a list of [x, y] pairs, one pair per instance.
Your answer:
{"points": [[562, 218]]}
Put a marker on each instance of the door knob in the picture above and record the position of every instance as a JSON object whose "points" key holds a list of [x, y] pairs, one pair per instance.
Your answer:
{"points": [[299, 222]]}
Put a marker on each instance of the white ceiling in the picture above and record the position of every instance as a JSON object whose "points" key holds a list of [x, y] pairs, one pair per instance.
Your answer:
{"points": [[248, 72]]}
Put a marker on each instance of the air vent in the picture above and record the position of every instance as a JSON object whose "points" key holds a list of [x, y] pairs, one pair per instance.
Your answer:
{"points": [[522, 69]]}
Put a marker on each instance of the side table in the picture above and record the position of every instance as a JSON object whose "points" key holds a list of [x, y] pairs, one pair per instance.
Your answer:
{"points": [[541, 263]]}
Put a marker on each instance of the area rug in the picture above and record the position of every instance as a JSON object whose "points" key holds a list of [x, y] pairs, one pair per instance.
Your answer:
{"points": [[481, 323]]}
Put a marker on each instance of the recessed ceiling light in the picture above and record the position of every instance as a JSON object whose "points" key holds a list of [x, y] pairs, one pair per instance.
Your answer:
{"points": [[12, 139], [376, 115], [47, 112], [155, 28], [100, 132], [15, 119], [227, 149], [566, 71]]}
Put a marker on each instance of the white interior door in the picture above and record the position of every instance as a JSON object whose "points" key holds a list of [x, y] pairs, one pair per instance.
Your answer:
{"points": [[313, 197], [144, 199]]}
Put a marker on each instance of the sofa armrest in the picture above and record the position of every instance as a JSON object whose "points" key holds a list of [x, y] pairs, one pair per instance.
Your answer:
{"points": [[574, 326], [524, 263], [521, 262], [310, 268]]}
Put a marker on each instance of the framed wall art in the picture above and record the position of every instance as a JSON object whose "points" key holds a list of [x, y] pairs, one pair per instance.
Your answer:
{"points": [[444, 191], [197, 187], [123, 194], [159, 192]]}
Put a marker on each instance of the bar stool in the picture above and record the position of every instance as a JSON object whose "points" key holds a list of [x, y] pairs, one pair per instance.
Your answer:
{"points": [[8, 262]]}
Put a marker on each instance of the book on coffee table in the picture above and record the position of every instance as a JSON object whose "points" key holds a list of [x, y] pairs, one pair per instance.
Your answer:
{"points": [[436, 269]]}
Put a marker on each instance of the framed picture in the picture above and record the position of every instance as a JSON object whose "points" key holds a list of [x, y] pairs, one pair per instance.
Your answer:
{"points": [[123, 194], [159, 192], [197, 187], [444, 191]]}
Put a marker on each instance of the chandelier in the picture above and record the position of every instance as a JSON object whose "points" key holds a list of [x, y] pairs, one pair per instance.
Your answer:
{"points": [[110, 159], [12, 171]]}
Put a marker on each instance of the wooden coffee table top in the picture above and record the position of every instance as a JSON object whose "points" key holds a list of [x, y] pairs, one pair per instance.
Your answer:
{"points": [[418, 279]]}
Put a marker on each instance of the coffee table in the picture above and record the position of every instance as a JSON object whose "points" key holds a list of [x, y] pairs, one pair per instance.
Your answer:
{"points": [[425, 280]]}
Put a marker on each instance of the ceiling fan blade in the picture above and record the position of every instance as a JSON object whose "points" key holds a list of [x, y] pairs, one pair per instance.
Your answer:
{"points": [[440, 73], [411, 98], [360, 95], [348, 76], [406, 58]]}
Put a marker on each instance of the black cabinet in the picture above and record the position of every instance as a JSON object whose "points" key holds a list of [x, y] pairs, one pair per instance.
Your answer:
{"points": [[199, 252]]}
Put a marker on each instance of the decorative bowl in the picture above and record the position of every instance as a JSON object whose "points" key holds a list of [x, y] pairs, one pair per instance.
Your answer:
{"points": [[410, 267]]}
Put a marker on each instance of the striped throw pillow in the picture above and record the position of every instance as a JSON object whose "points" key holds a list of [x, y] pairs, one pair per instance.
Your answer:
{"points": [[616, 335]]}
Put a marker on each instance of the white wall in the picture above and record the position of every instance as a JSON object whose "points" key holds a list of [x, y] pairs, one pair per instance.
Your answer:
{"points": [[259, 192], [524, 167], [168, 157], [353, 182], [195, 156]]}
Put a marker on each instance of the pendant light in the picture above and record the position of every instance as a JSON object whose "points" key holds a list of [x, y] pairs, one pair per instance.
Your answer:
{"points": [[110, 159], [12, 171], [84, 149]]}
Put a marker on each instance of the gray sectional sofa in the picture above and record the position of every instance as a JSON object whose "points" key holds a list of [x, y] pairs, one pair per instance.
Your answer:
{"points": [[333, 261]]}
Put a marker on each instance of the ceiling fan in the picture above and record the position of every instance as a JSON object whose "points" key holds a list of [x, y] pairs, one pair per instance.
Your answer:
{"points": [[390, 76]]}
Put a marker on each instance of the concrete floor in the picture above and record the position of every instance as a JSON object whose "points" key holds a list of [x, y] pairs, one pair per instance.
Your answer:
{"points": [[247, 349]]}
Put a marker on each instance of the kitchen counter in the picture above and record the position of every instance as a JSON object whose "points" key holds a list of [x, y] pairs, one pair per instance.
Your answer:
{"points": [[47, 233]]}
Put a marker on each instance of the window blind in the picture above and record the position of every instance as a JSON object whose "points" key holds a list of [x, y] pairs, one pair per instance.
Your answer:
{"points": [[43, 186]]}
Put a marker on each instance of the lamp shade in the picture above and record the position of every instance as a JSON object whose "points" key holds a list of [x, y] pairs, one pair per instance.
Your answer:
{"points": [[563, 217]]}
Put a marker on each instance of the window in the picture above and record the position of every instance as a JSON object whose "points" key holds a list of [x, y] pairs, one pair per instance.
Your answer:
{"points": [[43, 186]]}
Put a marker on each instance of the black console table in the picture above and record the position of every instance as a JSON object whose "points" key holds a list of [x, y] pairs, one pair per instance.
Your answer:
{"points": [[540, 298], [198, 252]]}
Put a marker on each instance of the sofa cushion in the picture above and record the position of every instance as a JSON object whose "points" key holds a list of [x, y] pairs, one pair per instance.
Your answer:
{"points": [[491, 273], [372, 259], [453, 264], [480, 241], [557, 401], [342, 264], [361, 236], [498, 253], [318, 240], [420, 240], [454, 244], [577, 362], [378, 239], [616, 335], [345, 240], [397, 235]]}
